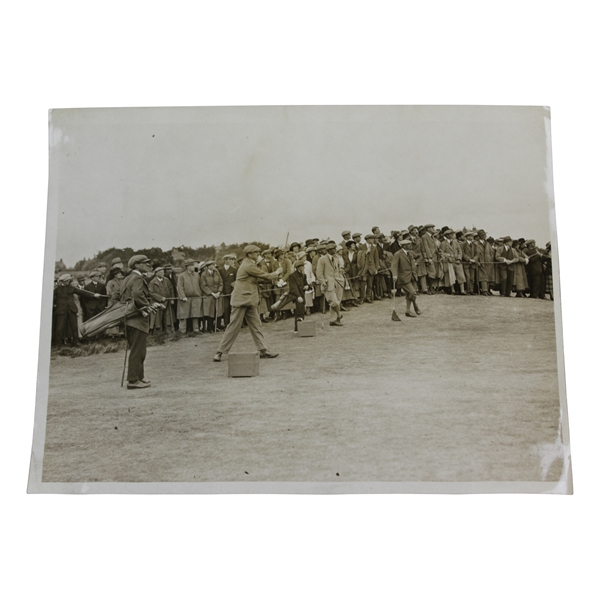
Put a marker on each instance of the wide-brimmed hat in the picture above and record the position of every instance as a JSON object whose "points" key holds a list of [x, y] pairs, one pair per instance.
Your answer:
{"points": [[507, 238], [295, 244]]}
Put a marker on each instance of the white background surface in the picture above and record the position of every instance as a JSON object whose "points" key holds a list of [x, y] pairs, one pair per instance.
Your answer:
{"points": [[60, 54]]}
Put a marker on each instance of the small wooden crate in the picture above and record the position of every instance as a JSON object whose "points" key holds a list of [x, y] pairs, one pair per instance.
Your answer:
{"points": [[306, 328], [244, 364]]}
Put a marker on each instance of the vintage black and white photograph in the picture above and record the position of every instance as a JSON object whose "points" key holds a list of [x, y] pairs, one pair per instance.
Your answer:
{"points": [[301, 299]]}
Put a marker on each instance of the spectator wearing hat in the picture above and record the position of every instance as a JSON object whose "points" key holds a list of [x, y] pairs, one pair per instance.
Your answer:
{"points": [[485, 261], [172, 278], [368, 266], [298, 285], [65, 309], [137, 326], [350, 265], [189, 293], [310, 278], [330, 276], [244, 304], [535, 269], [504, 255], [426, 264], [405, 274], [447, 257], [521, 260], [228, 272], [101, 268], [456, 252], [161, 291], [95, 304], [470, 260], [360, 245], [268, 294], [78, 283], [211, 285], [294, 250], [113, 290], [345, 237]]}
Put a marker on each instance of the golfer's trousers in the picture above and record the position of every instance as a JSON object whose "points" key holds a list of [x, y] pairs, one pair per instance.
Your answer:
{"points": [[250, 313], [137, 353]]}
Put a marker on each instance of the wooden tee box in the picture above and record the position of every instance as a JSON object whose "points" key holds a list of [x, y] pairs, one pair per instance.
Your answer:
{"points": [[306, 328], [244, 364]]}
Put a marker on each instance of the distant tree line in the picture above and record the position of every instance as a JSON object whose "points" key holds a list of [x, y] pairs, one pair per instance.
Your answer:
{"points": [[174, 256]]}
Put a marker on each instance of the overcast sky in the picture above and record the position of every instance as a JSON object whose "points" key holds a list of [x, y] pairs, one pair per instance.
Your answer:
{"points": [[164, 177]]}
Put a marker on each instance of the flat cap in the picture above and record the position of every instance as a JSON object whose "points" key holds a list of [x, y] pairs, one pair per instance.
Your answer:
{"points": [[507, 238], [331, 243], [209, 262], [469, 233], [158, 267], [481, 231], [189, 262], [427, 226], [298, 263], [137, 259], [343, 233], [101, 264], [65, 277], [81, 278], [356, 235], [248, 249], [94, 273], [405, 242], [369, 236], [116, 260]]}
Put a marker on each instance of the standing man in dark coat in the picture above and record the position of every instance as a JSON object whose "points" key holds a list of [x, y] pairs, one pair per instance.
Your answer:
{"points": [[228, 272], [298, 285], [506, 258], [244, 304], [137, 326], [95, 304]]}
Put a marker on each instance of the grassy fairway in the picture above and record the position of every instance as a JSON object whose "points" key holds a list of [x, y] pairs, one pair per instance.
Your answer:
{"points": [[466, 392]]}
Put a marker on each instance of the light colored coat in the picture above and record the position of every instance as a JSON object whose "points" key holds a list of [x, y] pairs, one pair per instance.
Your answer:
{"points": [[245, 292]]}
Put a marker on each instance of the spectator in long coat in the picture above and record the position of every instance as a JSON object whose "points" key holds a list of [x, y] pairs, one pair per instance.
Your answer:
{"points": [[447, 258], [298, 285], [211, 285], [368, 266], [161, 291], [520, 280], [310, 277], [485, 262], [350, 260], [505, 257], [189, 304], [470, 260], [65, 309], [535, 269], [114, 288], [228, 272], [456, 247], [95, 304], [426, 265], [170, 275]]}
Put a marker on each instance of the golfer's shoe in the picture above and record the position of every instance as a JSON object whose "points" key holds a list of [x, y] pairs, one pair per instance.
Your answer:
{"points": [[335, 323], [410, 315], [137, 385], [146, 381], [217, 357], [267, 354]]}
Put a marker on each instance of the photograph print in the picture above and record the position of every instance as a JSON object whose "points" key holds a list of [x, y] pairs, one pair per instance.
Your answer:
{"points": [[301, 299]]}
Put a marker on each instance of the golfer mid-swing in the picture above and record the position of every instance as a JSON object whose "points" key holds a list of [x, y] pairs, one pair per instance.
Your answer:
{"points": [[244, 304]]}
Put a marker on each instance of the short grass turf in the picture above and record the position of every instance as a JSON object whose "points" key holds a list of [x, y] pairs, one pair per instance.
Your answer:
{"points": [[468, 391]]}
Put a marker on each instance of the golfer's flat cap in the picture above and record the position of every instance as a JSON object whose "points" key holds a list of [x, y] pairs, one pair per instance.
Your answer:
{"points": [[248, 249], [137, 259], [65, 277], [356, 235], [343, 233], [427, 226], [116, 260]]}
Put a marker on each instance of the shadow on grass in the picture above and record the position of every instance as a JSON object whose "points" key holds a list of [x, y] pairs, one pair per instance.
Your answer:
{"points": [[111, 345]]}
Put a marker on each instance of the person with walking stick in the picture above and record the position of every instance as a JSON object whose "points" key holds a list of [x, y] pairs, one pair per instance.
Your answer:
{"points": [[137, 326]]}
